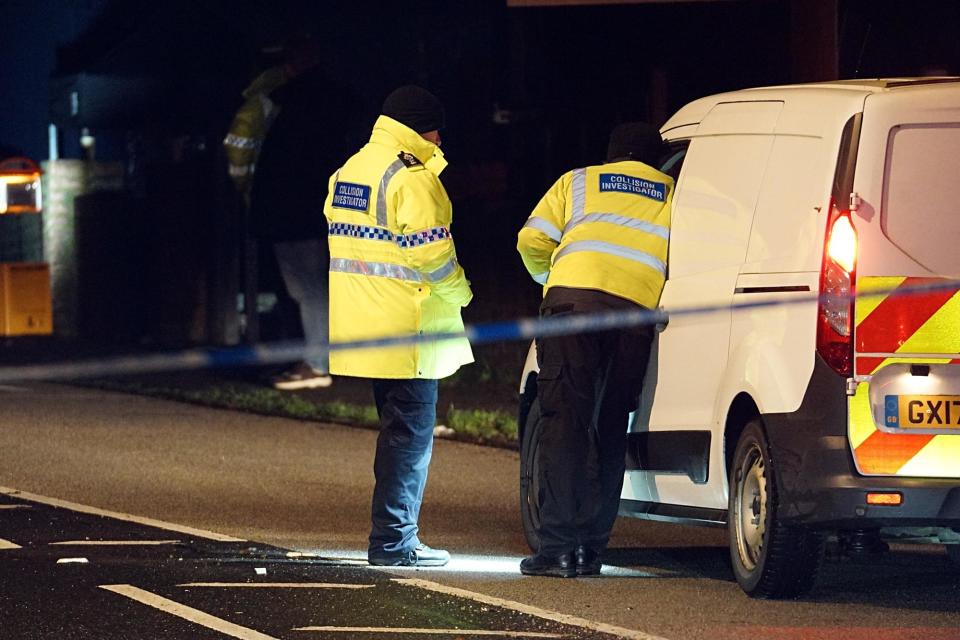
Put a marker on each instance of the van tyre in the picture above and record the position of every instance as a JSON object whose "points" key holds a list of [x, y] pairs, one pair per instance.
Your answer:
{"points": [[770, 559], [529, 483]]}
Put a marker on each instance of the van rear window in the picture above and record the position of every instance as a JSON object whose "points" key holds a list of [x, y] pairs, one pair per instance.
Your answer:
{"points": [[921, 200]]}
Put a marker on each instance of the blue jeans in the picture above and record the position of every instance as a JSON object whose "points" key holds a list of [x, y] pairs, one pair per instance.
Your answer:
{"points": [[304, 266], [408, 412]]}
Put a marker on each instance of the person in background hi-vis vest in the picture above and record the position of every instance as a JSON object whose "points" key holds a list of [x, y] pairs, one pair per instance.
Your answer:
{"points": [[394, 271], [597, 241]]}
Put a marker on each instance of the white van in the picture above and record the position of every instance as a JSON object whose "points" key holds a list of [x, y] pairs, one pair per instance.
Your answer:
{"points": [[833, 416]]}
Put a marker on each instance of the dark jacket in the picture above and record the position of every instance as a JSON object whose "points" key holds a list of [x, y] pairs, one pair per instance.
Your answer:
{"points": [[314, 131]]}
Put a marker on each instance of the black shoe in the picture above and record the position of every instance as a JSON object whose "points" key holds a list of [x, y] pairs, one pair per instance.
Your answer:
{"points": [[421, 556], [588, 561], [561, 566]]}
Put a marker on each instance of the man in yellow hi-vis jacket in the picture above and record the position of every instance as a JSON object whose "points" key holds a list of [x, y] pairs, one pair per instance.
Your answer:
{"points": [[394, 271], [597, 241]]}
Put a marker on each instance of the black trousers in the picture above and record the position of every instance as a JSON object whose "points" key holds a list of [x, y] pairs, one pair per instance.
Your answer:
{"points": [[588, 385]]}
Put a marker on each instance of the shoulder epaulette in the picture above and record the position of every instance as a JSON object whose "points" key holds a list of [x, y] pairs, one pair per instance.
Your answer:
{"points": [[409, 160]]}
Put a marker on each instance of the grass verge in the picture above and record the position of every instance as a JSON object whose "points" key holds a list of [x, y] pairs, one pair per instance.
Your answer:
{"points": [[479, 426]]}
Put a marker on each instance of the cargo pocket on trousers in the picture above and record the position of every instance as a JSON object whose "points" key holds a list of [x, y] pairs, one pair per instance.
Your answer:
{"points": [[549, 388]]}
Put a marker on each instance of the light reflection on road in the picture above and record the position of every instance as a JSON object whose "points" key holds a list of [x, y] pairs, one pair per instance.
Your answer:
{"points": [[460, 563]]}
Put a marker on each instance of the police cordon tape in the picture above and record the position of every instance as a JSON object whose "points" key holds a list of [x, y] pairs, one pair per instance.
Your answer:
{"points": [[486, 333]]}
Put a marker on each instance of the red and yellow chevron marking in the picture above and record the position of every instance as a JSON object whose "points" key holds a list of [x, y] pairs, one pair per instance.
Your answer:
{"points": [[890, 327]]}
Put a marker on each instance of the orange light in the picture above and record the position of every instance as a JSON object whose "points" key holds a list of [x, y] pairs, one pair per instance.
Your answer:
{"points": [[19, 178], [842, 246], [885, 499]]}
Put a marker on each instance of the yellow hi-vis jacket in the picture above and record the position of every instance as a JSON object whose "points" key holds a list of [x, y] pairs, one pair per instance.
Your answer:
{"points": [[393, 265], [604, 227], [249, 128]]}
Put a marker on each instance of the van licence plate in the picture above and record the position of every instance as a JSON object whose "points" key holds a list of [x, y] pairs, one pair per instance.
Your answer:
{"points": [[922, 412]]}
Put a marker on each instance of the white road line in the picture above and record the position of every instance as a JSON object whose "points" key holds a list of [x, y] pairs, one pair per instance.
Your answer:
{"points": [[187, 613], [14, 506], [435, 632], [115, 543], [278, 585], [562, 618], [150, 522], [6, 544], [11, 389]]}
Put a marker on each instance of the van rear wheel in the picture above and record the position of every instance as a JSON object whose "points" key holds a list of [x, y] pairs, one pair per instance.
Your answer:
{"points": [[770, 559], [529, 476]]}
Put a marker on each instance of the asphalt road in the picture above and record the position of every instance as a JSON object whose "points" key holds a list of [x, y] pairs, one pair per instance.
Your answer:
{"points": [[272, 486]]}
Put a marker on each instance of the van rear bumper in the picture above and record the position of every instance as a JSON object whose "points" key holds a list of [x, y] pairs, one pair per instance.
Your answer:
{"points": [[819, 484], [840, 502]]}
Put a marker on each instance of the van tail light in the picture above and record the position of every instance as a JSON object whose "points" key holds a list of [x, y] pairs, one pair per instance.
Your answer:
{"points": [[837, 280]]}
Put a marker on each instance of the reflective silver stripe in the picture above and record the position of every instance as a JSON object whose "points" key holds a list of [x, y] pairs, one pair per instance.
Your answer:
{"points": [[615, 250], [623, 221], [382, 193], [241, 142], [240, 170], [541, 278], [439, 274], [378, 269], [542, 225], [578, 190]]}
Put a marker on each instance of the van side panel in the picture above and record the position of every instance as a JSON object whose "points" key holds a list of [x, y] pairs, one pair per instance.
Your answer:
{"points": [[713, 212], [772, 347], [787, 234]]}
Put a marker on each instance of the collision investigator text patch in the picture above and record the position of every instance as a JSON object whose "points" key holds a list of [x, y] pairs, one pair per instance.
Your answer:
{"points": [[629, 184], [347, 195]]}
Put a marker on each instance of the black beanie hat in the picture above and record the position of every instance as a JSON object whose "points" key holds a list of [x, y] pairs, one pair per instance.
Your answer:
{"points": [[635, 141], [415, 107]]}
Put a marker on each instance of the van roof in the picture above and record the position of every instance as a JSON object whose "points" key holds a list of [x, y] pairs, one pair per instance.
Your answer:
{"points": [[873, 84], [850, 92]]}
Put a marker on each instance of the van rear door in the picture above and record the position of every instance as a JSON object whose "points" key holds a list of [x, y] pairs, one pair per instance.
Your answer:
{"points": [[904, 418]]}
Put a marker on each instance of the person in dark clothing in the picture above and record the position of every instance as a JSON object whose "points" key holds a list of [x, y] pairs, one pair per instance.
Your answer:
{"points": [[305, 144], [597, 241]]}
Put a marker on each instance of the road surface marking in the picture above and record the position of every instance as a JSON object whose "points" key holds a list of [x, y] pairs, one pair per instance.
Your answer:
{"points": [[150, 522], [6, 544], [72, 561], [11, 389], [117, 543], [278, 585], [14, 506], [187, 613], [436, 632], [562, 618]]}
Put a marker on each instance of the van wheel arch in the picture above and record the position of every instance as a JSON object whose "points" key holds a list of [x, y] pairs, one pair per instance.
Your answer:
{"points": [[742, 410]]}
